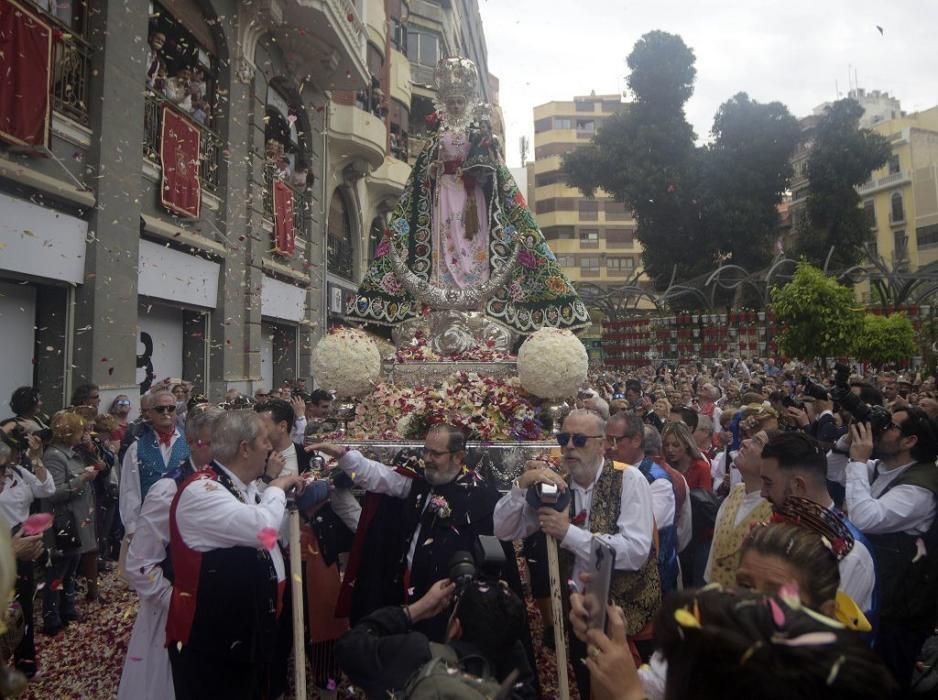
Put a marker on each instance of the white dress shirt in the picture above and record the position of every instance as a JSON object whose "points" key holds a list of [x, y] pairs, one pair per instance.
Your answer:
{"points": [[906, 508], [20, 488], [685, 523], [379, 478], [662, 502], [858, 576], [718, 469], [299, 430], [129, 495], [515, 519], [210, 517]]}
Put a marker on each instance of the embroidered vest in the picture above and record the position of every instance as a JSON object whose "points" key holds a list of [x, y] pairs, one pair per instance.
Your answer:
{"points": [[908, 580], [638, 593], [150, 464], [667, 533], [728, 536], [224, 601]]}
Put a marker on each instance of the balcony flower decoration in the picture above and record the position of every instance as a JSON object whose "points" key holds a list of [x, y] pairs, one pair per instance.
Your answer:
{"points": [[552, 364], [347, 361]]}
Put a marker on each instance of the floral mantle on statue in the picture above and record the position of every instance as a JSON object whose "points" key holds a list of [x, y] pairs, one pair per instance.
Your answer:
{"points": [[461, 236]]}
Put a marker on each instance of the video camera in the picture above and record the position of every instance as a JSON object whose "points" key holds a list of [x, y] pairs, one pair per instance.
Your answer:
{"points": [[485, 561], [879, 417]]}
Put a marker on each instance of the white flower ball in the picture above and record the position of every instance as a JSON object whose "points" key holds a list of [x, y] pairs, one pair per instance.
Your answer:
{"points": [[552, 364], [346, 361]]}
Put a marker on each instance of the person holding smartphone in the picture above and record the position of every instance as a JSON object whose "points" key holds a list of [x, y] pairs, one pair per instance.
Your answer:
{"points": [[608, 498]]}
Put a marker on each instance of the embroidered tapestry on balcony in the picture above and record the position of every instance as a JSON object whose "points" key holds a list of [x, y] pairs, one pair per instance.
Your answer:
{"points": [[180, 155], [285, 236], [26, 48]]}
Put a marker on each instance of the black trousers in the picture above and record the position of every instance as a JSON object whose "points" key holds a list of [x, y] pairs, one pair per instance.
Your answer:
{"points": [[24, 656], [899, 646], [200, 676]]}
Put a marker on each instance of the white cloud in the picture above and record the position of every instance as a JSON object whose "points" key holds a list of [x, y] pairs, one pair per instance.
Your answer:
{"points": [[793, 52]]}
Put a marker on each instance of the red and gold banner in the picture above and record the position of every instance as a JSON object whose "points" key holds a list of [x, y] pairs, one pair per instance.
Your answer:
{"points": [[25, 76], [180, 156], [285, 236]]}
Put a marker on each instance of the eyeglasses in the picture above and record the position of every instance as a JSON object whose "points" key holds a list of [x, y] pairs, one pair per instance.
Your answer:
{"points": [[123, 402], [436, 453], [164, 410], [579, 439], [614, 439], [893, 426]]}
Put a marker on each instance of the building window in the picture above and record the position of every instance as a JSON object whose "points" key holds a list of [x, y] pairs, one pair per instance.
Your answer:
{"points": [[893, 164], [588, 209], [566, 260], [869, 211], [542, 125], [589, 265], [589, 237], [545, 206], [620, 237], [896, 212], [553, 149], [398, 35], [616, 211], [901, 243], [927, 236], [550, 178], [558, 233], [563, 123], [339, 239], [423, 47], [620, 265], [585, 106]]}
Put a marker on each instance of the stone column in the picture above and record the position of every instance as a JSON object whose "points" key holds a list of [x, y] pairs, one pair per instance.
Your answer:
{"points": [[106, 304]]}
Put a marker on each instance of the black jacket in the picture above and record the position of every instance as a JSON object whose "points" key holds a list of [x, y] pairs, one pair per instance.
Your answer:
{"points": [[381, 653]]}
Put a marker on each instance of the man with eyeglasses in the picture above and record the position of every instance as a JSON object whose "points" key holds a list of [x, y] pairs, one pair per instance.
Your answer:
{"points": [[441, 514], [158, 447], [611, 501], [894, 501]]}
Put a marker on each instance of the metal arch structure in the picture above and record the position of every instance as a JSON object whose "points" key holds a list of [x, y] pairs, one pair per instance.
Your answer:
{"points": [[895, 287]]}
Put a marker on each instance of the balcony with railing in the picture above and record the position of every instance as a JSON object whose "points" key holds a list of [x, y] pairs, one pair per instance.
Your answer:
{"points": [[875, 184], [71, 70], [301, 203], [152, 133]]}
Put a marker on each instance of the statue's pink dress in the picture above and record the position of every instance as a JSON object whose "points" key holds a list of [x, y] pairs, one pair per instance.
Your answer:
{"points": [[458, 260]]}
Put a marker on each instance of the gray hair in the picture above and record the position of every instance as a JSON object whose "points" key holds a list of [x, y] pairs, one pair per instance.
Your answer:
{"points": [[232, 428], [652, 441], [705, 423], [455, 437], [159, 394], [633, 425], [5, 452], [581, 412], [597, 405], [198, 421], [146, 401]]}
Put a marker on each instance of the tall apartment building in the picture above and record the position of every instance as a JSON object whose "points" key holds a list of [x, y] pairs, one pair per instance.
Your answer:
{"points": [[204, 232], [593, 239]]}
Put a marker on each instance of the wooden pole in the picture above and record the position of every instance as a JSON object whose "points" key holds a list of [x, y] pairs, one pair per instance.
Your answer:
{"points": [[560, 644], [296, 592]]}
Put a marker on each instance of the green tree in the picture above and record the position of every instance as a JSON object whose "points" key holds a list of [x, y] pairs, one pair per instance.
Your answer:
{"points": [[817, 314], [645, 156], [693, 205], [842, 157], [885, 339], [747, 170]]}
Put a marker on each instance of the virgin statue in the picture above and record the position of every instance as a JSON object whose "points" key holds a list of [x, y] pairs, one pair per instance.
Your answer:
{"points": [[461, 236]]}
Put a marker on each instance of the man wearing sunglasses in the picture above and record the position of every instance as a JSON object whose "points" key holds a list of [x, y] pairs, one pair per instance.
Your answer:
{"points": [[442, 513], [609, 500], [159, 447]]}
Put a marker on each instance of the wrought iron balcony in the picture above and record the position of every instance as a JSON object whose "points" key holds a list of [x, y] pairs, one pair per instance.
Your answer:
{"points": [[152, 131]]}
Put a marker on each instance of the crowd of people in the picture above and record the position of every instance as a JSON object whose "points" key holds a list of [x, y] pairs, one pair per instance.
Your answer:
{"points": [[772, 532], [186, 88]]}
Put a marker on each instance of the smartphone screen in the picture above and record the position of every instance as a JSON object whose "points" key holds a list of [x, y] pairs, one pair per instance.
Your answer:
{"points": [[596, 593]]}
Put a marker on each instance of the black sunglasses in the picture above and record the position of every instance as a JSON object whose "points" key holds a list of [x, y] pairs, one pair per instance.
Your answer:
{"points": [[579, 439], [164, 409]]}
